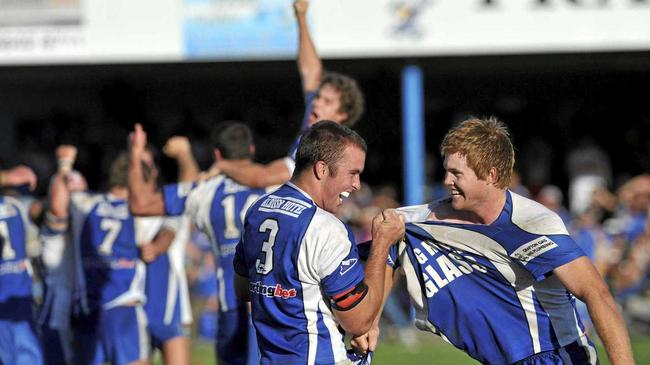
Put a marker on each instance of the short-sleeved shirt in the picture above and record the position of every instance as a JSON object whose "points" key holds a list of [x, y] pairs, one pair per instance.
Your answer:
{"points": [[294, 255], [106, 237], [490, 289]]}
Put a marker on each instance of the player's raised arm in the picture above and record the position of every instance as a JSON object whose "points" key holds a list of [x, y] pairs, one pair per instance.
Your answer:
{"points": [[180, 149], [582, 279], [309, 63], [143, 200], [63, 183]]}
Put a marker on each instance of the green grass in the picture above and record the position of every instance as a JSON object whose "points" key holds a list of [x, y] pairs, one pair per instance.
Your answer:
{"points": [[428, 350]]}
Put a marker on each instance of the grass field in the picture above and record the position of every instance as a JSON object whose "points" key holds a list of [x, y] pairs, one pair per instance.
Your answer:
{"points": [[429, 350]]}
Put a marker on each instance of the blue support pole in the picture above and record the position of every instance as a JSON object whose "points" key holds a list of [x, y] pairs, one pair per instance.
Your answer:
{"points": [[413, 135]]}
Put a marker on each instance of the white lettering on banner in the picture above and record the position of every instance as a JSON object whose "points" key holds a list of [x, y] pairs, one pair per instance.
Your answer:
{"points": [[532, 249], [288, 206]]}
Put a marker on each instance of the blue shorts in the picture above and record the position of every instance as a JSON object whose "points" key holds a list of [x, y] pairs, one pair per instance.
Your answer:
{"points": [[117, 335], [571, 354], [161, 333], [18, 343]]}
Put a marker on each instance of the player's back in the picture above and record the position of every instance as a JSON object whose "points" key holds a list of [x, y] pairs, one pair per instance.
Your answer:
{"points": [[284, 253], [105, 237], [217, 206]]}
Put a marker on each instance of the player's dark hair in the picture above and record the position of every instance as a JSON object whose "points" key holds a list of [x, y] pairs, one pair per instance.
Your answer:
{"points": [[119, 171], [326, 141], [233, 139]]}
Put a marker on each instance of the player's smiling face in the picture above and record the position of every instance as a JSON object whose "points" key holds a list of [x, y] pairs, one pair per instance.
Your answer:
{"points": [[467, 190], [327, 106], [345, 180]]}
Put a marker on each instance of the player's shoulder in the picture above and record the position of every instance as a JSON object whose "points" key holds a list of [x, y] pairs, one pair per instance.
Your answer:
{"points": [[534, 217], [204, 185]]}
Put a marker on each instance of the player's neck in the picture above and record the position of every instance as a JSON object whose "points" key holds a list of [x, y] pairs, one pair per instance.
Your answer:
{"points": [[489, 209], [119, 192], [312, 187]]}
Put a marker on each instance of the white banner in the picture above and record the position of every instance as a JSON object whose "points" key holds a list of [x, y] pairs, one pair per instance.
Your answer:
{"points": [[100, 31]]}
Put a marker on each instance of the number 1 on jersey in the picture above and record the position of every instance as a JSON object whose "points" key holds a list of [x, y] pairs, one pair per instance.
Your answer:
{"points": [[228, 204], [271, 226]]}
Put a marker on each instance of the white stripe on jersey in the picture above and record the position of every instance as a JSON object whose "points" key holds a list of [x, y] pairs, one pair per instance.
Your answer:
{"points": [[172, 291], [525, 297], [143, 334], [222, 290], [176, 255], [311, 271]]}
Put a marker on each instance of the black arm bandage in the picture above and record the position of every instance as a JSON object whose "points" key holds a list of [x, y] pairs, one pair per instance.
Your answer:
{"points": [[350, 299]]}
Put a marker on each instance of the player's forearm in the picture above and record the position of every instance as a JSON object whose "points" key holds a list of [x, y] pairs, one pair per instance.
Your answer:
{"points": [[188, 169], [163, 240], [610, 327], [375, 273], [59, 196], [143, 200], [256, 175]]}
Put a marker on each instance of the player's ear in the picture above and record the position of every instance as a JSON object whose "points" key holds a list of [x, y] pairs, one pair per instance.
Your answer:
{"points": [[251, 150], [217, 154], [320, 170], [493, 176]]}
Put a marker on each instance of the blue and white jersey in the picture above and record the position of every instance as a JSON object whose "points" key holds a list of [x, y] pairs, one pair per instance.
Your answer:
{"points": [[294, 254], [106, 236], [15, 268], [290, 160], [217, 206], [489, 289]]}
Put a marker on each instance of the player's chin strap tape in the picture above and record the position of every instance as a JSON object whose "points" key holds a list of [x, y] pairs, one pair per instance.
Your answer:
{"points": [[348, 300]]}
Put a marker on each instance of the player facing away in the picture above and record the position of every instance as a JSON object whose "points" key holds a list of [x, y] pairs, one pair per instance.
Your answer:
{"points": [[297, 262], [328, 96], [217, 206], [18, 341], [495, 273], [109, 322]]}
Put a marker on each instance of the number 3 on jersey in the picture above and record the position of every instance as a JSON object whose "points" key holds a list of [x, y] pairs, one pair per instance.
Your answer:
{"points": [[265, 267]]}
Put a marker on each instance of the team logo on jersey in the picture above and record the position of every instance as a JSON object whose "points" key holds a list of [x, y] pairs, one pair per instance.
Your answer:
{"points": [[346, 265], [532, 249], [271, 291]]}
